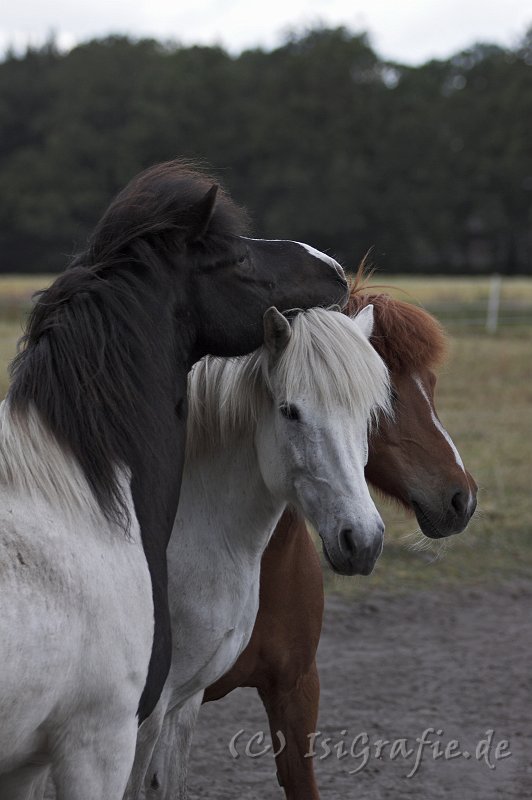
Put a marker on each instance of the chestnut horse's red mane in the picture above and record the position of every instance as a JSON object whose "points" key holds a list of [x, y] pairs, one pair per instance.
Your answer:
{"points": [[405, 336]]}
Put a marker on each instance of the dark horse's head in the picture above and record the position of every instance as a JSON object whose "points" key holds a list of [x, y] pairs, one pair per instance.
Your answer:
{"points": [[224, 280]]}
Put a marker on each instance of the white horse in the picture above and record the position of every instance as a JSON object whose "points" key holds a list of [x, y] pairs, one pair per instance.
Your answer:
{"points": [[288, 424], [72, 672]]}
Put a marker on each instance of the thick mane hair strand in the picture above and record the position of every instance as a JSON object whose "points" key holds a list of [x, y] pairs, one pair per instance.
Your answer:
{"points": [[83, 351], [91, 362], [156, 206], [327, 357]]}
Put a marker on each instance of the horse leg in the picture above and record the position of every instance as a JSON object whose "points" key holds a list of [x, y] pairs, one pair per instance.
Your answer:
{"points": [[166, 778], [147, 738], [294, 712], [91, 762]]}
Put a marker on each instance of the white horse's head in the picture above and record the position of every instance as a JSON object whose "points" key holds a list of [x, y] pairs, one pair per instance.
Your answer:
{"points": [[326, 385]]}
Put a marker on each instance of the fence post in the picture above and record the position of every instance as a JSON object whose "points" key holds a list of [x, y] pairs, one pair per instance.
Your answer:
{"points": [[494, 301]]}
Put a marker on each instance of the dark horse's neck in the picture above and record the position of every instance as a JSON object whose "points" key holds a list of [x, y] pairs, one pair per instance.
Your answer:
{"points": [[156, 481], [106, 369]]}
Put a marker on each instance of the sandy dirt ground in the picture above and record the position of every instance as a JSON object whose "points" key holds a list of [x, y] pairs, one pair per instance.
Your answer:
{"points": [[459, 662], [391, 667]]}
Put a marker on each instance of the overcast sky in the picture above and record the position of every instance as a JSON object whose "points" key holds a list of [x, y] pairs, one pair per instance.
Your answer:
{"points": [[409, 31]]}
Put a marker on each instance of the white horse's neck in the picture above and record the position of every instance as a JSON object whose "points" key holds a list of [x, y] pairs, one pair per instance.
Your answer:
{"points": [[225, 518], [225, 508]]}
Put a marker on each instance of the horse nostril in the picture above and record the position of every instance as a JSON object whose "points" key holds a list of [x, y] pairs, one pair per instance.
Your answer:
{"points": [[347, 542], [460, 502]]}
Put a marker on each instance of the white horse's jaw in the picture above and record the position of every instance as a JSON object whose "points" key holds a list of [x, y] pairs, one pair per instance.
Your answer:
{"points": [[352, 535]]}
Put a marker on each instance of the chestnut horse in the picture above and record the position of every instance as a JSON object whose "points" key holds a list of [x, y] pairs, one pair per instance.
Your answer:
{"points": [[413, 460]]}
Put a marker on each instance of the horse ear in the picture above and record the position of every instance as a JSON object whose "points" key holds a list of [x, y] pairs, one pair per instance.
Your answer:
{"points": [[277, 332], [201, 215], [364, 319]]}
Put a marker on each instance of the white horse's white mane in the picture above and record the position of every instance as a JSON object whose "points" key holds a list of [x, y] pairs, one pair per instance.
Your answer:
{"points": [[32, 462], [327, 357]]}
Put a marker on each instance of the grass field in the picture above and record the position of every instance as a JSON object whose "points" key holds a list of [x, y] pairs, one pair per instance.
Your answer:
{"points": [[484, 398], [456, 290]]}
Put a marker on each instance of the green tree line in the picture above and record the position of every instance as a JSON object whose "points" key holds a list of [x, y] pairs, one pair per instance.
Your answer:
{"points": [[322, 141]]}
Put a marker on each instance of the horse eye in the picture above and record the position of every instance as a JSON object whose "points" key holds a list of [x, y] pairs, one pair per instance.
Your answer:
{"points": [[243, 257], [290, 411]]}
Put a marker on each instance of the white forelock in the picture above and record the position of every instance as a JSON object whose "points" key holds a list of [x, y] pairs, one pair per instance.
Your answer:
{"points": [[327, 357]]}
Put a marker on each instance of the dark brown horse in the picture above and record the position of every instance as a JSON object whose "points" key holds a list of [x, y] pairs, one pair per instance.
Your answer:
{"points": [[411, 459], [94, 426]]}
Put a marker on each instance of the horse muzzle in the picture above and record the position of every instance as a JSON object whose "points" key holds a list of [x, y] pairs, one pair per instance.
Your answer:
{"points": [[438, 520], [355, 552]]}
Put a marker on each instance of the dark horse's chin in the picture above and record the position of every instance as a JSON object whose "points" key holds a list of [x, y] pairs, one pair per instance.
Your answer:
{"points": [[433, 529]]}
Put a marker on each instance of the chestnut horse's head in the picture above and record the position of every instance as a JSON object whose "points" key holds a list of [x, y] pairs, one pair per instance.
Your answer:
{"points": [[411, 456]]}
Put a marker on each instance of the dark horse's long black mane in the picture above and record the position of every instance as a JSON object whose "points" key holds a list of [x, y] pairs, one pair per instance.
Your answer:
{"points": [[91, 362]]}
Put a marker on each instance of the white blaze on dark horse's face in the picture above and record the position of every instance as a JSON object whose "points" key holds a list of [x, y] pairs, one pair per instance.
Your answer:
{"points": [[246, 276], [321, 456], [260, 269]]}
